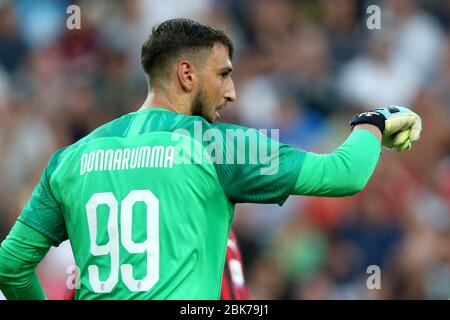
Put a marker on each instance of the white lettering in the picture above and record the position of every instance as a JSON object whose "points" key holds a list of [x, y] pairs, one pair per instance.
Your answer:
{"points": [[74, 20], [83, 164], [117, 159], [125, 158], [374, 20], [169, 157], [144, 157], [109, 156], [99, 157], [157, 159]]}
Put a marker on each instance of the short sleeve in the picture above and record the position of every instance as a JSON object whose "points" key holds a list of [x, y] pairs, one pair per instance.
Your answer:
{"points": [[257, 168], [42, 211]]}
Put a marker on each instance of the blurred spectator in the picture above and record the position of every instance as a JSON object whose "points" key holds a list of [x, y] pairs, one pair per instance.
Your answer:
{"points": [[4, 89], [373, 79], [115, 88], [13, 47], [417, 38], [342, 28], [26, 136], [300, 249], [41, 22]]}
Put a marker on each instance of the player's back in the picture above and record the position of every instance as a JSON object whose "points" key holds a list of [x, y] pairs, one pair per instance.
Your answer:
{"points": [[144, 220]]}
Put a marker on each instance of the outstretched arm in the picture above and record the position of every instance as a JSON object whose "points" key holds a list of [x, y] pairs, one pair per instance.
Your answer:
{"points": [[344, 172], [348, 169], [20, 253], [282, 170]]}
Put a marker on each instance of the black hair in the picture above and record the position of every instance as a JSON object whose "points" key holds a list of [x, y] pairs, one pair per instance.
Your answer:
{"points": [[173, 38]]}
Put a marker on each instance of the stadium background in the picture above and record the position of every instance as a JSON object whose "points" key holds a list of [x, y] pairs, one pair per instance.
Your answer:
{"points": [[301, 66]]}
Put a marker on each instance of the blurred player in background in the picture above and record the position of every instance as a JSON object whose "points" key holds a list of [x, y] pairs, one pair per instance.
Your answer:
{"points": [[148, 222], [234, 286]]}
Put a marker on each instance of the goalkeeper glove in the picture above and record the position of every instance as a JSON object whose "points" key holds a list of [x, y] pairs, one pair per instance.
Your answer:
{"points": [[399, 125]]}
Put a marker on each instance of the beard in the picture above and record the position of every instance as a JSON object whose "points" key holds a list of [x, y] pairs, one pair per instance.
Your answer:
{"points": [[198, 107]]}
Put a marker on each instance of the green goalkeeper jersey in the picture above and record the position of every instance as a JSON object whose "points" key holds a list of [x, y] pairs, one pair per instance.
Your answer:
{"points": [[147, 201]]}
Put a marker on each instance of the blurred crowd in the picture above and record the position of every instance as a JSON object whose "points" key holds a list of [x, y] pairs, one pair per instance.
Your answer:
{"points": [[303, 67]]}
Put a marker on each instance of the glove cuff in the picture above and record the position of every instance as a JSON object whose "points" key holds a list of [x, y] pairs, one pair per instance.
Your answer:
{"points": [[370, 117]]}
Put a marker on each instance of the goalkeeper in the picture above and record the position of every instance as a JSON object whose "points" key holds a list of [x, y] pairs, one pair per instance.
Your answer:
{"points": [[143, 226]]}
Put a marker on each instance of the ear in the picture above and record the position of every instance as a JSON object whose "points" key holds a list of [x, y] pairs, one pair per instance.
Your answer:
{"points": [[186, 75]]}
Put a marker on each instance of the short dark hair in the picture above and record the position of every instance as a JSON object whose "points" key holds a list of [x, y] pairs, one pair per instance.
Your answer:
{"points": [[173, 38]]}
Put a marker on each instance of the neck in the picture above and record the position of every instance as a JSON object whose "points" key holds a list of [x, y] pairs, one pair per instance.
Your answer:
{"points": [[165, 101]]}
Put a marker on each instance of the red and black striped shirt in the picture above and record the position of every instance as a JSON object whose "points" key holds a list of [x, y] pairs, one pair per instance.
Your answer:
{"points": [[233, 281]]}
